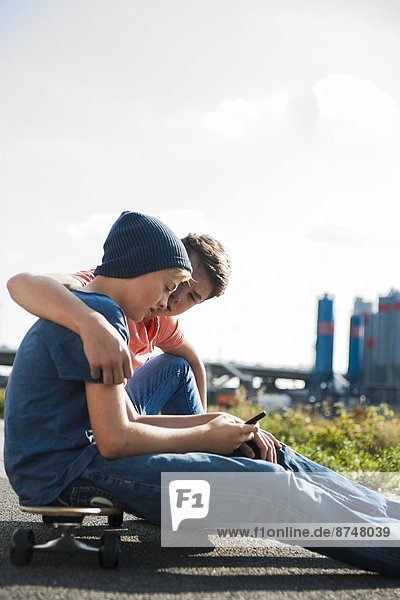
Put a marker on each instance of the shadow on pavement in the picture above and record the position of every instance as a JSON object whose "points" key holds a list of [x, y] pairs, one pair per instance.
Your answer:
{"points": [[146, 568]]}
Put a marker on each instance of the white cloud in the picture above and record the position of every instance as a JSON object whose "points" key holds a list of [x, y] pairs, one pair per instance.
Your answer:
{"points": [[355, 102], [338, 235], [181, 221], [357, 237], [224, 123], [240, 108], [277, 103], [96, 225], [235, 118]]}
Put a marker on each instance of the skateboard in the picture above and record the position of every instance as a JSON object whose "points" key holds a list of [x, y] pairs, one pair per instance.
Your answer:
{"points": [[66, 519]]}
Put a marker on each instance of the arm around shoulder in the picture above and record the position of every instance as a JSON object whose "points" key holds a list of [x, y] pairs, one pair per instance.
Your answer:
{"points": [[36, 292], [49, 299]]}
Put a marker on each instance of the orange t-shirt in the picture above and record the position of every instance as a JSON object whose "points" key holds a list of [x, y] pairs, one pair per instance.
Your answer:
{"points": [[144, 336]]}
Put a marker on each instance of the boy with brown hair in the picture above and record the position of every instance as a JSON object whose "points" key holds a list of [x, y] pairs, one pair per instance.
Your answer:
{"points": [[45, 297]]}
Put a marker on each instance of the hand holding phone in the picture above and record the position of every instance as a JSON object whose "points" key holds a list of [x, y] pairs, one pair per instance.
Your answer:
{"points": [[261, 415], [271, 453]]}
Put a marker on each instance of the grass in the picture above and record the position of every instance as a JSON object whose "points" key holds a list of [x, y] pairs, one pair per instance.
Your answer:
{"points": [[361, 443], [360, 439]]}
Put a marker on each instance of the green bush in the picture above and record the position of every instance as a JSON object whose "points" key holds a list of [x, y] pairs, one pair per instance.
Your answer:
{"points": [[360, 439]]}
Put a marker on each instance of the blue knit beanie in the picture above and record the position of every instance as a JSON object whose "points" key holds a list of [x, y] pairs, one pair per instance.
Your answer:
{"points": [[139, 244]]}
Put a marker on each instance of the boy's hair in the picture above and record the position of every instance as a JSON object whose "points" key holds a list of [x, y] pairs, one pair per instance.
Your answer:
{"points": [[213, 257], [181, 274]]}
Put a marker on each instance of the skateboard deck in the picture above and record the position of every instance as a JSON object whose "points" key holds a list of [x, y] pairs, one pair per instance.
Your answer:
{"points": [[70, 511], [67, 518]]}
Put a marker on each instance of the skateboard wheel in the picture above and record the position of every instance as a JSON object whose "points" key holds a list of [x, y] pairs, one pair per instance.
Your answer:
{"points": [[22, 542], [109, 550], [116, 520]]}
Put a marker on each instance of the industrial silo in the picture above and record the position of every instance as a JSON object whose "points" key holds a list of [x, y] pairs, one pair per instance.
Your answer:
{"points": [[369, 368], [396, 338], [385, 339], [356, 348], [357, 339], [324, 347], [382, 352]]}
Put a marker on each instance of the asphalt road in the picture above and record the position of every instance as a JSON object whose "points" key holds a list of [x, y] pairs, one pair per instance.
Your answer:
{"points": [[147, 571]]}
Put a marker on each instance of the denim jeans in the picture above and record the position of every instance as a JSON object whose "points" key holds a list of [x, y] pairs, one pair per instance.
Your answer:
{"points": [[134, 483], [164, 384]]}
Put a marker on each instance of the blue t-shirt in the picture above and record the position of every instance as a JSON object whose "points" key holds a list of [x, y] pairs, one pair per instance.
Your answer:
{"points": [[48, 438]]}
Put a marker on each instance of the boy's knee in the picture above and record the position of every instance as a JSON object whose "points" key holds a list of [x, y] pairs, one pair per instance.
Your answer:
{"points": [[176, 362]]}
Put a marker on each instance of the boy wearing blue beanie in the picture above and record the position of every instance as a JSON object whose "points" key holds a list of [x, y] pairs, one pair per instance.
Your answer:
{"points": [[75, 441]]}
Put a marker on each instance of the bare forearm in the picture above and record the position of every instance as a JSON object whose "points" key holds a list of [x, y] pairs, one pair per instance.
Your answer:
{"points": [[176, 421], [47, 298], [132, 434], [118, 436], [158, 435], [142, 438]]}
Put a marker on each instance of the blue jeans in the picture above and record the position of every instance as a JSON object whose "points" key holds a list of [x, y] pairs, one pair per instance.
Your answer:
{"points": [[164, 384], [134, 483]]}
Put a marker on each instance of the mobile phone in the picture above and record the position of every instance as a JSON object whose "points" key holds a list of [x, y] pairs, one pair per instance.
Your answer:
{"points": [[256, 418]]}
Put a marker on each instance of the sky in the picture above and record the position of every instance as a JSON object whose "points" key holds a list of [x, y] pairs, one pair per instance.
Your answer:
{"points": [[272, 125]]}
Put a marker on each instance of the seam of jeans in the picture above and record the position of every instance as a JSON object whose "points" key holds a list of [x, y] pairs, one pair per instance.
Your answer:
{"points": [[106, 476], [188, 404], [166, 380]]}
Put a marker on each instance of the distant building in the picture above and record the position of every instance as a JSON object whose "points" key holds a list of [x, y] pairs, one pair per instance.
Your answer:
{"points": [[374, 349]]}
